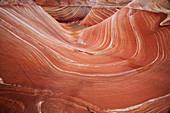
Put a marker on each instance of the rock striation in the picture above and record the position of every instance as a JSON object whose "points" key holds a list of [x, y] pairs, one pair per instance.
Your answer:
{"points": [[120, 65]]}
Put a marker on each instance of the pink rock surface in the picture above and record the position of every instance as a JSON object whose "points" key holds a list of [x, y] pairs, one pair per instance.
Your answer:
{"points": [[102, 10], [66, 10], [119, 65]]}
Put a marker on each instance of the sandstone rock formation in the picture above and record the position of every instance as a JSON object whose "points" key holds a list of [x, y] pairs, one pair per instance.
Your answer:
{"points": [[120, 65]]}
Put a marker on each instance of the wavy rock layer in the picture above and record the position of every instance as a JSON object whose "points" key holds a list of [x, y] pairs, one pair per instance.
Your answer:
{"points": [[103, 10], [97, 15], [119, 65], [67, 13], [66, 10], [112, 2], [62, 2]]}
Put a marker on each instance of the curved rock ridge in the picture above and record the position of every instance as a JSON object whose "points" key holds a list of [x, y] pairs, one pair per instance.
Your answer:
{"points": [[105, 9], [66, 10], [112, 2], [102, 10], [62, 2], [157, 6], [98, 14], [67, 13], [17, 2], [118, 65]]}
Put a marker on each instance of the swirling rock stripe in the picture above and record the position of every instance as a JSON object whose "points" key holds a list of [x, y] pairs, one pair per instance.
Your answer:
{"points": [[66, 10], [62, 2], [67, 13], [118, 65], [102, 10], [112, 2], [97, 15]]}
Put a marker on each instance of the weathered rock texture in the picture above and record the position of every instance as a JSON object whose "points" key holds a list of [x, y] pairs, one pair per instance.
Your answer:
{"points": [[118, 65]]}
